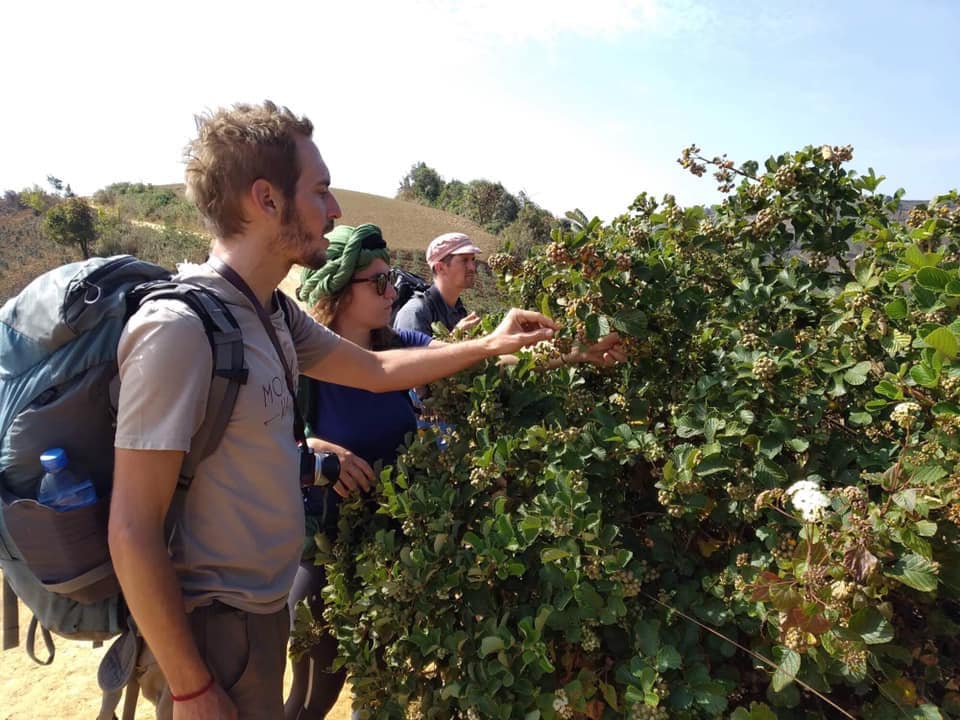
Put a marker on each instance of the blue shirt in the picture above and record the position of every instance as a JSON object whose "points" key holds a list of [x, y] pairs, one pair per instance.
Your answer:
{"points": [[371, 425]]}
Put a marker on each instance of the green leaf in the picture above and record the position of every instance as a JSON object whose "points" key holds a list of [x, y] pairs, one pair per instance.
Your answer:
{"points": [[916, 572], [490, 645], [647, 633], [870, 625], [758, 711], [597, 326], [860, 418], [896, 310], [668, 658], [857, 375], [771, 445], [786, 671], [609, 693], [451, 690], [925, 298], [544, 304], [712, 464], [889, 390], [932, 278], [926, 712], [550, 555], [953, 288], [929, 474], [917, 258], [946, 408], [944, 341], [926, 528], [924, 375], [710, 428], [768, 472], [631, 322], [907, 499]]}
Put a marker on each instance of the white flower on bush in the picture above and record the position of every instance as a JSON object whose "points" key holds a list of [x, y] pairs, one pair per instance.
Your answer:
{"points": [[905, 414], [807, 497]]}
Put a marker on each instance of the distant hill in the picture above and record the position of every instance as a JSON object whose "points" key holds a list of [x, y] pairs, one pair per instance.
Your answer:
{"points": [[140, 226], [408, 225]]}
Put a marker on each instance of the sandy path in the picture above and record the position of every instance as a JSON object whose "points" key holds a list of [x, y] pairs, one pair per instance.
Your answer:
{"points": [[68, 688]]}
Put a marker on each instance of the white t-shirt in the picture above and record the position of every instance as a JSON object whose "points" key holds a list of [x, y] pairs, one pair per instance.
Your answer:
{"points": [[241, 534]]}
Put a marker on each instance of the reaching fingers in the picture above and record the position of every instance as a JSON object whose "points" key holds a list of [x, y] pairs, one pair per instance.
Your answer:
{"points": [[530, 320], [356, 475]]}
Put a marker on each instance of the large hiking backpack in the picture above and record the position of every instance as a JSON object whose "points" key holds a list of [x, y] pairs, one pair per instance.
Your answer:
{"points": [[407, 284], [58, 358]]}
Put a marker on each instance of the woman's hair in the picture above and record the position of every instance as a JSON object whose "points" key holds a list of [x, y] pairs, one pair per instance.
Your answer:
{"points": [[324, 310]]}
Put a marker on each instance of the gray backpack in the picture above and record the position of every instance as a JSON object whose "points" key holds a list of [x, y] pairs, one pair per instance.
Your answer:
{"points": [[58, 357]]}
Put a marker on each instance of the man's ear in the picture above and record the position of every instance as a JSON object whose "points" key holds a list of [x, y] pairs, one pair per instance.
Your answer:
{"points": [[266, 199]]}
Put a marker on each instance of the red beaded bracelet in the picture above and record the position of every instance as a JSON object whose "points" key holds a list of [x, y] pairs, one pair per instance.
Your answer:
{"points": [[195, 694]]}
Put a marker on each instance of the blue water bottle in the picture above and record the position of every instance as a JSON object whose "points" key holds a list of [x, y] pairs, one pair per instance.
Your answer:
{"points": [[60, 488]]}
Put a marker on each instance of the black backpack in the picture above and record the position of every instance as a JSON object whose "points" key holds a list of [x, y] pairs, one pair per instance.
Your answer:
{"points": [[406, 285]]}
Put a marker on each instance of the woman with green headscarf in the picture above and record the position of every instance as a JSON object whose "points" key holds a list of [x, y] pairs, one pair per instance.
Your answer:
{"points": [[353, 295], [352, 429]]}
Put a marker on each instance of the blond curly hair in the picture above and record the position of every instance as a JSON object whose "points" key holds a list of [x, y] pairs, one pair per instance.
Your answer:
{"points": [[235, 147]]}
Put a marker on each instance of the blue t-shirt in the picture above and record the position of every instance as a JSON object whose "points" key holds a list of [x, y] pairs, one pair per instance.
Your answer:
{"points": [[371, 425]]}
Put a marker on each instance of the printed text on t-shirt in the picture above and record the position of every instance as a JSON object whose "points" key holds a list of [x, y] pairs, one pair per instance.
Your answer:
{"points": [[276, 398]]}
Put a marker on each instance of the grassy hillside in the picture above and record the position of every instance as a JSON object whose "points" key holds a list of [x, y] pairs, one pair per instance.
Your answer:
{"points": [[25, 252], [407, 225], [159, 225]]}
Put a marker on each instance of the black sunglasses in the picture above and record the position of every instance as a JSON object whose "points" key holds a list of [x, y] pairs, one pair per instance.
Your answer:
{"points": [[382, 280]]}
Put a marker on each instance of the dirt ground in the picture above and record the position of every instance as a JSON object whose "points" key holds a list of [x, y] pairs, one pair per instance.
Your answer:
{"points": [[67, 689]]}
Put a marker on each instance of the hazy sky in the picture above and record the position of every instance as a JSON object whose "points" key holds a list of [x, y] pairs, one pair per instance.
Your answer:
{"points": [[577, 103]]}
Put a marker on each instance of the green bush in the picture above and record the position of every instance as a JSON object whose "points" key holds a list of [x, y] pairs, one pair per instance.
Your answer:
{"points": [[755, 517], [164, 246]]}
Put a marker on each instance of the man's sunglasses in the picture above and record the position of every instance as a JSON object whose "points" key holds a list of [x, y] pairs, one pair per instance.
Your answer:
{"points": [[382, 280]]}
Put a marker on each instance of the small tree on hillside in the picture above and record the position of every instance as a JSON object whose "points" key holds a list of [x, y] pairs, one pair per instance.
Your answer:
{"points": [[36, 199], [72, 222], [422, 184]]}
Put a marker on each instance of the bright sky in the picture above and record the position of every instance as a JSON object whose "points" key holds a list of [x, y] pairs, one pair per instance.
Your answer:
{"points": [[579, 104]]}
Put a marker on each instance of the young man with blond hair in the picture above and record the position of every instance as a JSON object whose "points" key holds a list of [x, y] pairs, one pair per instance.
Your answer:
{"points": [[210, 599]]}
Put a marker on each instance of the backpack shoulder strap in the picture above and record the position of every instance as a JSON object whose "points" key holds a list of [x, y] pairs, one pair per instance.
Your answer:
{"points": [[434, 302], [229, 372]]}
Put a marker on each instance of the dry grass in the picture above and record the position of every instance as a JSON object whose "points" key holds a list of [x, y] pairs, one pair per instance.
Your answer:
{"points": [[407, 225]]}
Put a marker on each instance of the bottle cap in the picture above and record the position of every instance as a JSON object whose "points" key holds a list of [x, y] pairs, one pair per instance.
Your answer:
{"points": [[54, 459]]}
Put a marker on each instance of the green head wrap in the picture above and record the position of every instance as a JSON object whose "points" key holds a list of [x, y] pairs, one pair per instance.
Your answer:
{"points": [[351, 249]]}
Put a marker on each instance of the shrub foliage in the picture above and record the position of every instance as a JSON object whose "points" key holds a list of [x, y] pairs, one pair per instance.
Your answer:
{"points": [[755, 517]]}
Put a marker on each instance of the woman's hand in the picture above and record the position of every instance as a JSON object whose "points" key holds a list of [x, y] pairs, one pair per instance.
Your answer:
{"points": [[355, 473]]}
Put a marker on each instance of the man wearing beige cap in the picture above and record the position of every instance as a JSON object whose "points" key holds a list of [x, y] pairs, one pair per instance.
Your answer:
{"points": [[452, 260]]}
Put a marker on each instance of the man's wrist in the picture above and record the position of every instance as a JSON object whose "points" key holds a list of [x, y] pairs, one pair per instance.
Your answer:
{"points": [[194, 694], [182, 682], [487, 346]]}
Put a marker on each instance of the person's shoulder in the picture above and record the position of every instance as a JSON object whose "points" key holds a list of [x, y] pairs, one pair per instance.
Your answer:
{"points": [[165, 323], [165, 311], [412, 308]]}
